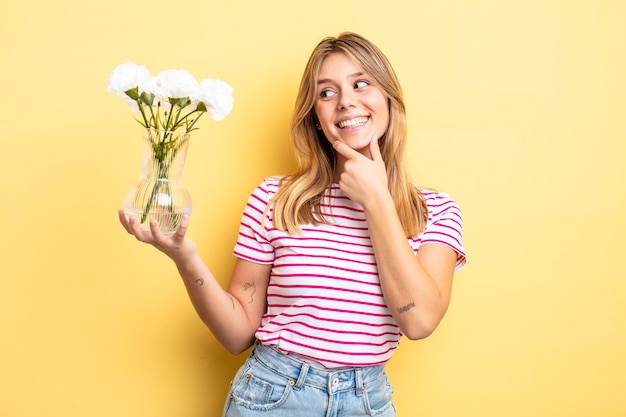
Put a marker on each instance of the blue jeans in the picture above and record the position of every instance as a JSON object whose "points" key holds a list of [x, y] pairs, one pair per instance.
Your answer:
{"points": [[271, 383]]}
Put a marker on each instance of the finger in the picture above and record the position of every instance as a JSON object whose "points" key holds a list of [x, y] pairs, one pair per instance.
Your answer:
{"points": [[123, 220], [155, 229], [375, 149], [182, 229], [345, 150], [134, 228], [131, 225]]}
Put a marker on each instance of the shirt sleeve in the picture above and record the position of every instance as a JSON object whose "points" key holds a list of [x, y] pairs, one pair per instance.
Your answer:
{"points": [[252, 242], [444, 225]]}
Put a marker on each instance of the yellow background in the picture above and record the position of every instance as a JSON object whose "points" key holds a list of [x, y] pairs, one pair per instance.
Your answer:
{"points": [[516, 108]]}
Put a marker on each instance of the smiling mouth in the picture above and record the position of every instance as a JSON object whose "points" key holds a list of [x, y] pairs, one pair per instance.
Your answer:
{"points": [[357, 121]]}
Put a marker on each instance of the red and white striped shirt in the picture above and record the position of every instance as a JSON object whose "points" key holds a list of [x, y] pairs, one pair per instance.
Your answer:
{"points": [[324, 299]]}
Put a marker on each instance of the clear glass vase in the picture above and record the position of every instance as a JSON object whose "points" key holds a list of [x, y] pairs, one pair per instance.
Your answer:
{"points": [[159, 193]]}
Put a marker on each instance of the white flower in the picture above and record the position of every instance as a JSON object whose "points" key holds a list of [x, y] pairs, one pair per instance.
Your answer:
{"points": [[217, 96], [134, 106], [174, 84], [148, 85], [171, 100], [128, 76]]}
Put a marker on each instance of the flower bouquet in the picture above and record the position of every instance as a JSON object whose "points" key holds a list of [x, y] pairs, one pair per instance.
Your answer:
{"points": [[168, 106]]}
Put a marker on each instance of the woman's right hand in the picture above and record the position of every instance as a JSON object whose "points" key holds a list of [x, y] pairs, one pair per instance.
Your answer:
{"points": [[178, 247]]}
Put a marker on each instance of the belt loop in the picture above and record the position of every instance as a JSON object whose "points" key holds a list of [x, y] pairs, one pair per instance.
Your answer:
{"points": [[302, 376], [359, 382]]}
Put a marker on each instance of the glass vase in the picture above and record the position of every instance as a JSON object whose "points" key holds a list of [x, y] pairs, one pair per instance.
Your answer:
{"points": [[159, 192]]}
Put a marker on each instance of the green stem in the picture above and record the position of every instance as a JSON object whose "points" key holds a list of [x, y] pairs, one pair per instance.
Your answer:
{"points": [[193, 122], [143, 114], [167, 126], [179, 121], [164, 157]]}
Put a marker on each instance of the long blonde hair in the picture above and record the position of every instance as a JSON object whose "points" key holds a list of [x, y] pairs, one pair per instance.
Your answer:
{"points": [[299, 196]]}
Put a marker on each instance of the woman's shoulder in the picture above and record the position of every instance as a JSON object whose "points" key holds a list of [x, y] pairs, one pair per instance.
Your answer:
{"points": [[444, 224], [268, 186], [438, 201], [273, 180], [432, 195]]}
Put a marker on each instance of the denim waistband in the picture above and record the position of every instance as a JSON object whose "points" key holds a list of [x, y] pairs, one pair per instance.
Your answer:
{"points": [[302, 373]]}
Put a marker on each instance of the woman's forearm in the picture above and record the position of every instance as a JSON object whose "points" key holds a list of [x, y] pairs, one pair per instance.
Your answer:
{"points": [[416, 296], [220, 310]]}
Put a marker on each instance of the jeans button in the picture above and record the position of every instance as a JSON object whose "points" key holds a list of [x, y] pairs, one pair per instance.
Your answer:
{"points": [[335, 381]]}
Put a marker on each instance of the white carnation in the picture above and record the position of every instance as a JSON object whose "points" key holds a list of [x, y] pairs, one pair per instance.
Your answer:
{"points": [[217, 97], [127, 76], [174, 84], [134, 106]]}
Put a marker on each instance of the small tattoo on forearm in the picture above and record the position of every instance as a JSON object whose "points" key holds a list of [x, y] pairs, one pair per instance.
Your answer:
{"points": [[250, 286], [406, 308], [200, 282]]}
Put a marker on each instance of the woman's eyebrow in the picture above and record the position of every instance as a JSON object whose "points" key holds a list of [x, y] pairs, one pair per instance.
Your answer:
{"points": [[328, 80]]}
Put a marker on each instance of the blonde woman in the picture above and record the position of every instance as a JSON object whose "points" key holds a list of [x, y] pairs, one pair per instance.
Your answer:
{"points": [[334, 262]]}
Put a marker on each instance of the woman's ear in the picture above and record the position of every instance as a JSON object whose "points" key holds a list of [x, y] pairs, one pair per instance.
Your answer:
{"points": [[317, 123]]}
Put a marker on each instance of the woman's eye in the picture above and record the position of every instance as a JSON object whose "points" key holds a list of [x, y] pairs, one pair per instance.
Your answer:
{"points": [[361, 84], [326, 93]]}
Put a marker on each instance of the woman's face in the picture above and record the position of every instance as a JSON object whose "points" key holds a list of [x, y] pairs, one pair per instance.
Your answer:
{"points": [[350, 106]]}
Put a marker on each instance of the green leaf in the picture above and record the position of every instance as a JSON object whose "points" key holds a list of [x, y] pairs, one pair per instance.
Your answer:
{"points": [[201, 106]]}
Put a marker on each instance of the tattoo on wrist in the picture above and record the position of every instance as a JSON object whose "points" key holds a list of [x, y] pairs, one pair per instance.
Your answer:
{"points": [[406, 308], [249, 286], [200, 282]]}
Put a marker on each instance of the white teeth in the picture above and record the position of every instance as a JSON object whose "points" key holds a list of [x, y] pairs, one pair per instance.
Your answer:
{"points": [[357, 121]]}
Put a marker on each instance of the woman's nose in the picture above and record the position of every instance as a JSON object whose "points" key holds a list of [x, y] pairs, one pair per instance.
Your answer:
{"points": [[347, 100]]}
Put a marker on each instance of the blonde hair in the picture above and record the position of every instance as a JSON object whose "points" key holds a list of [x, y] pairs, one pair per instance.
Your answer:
{"points": [[299, 196]]}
